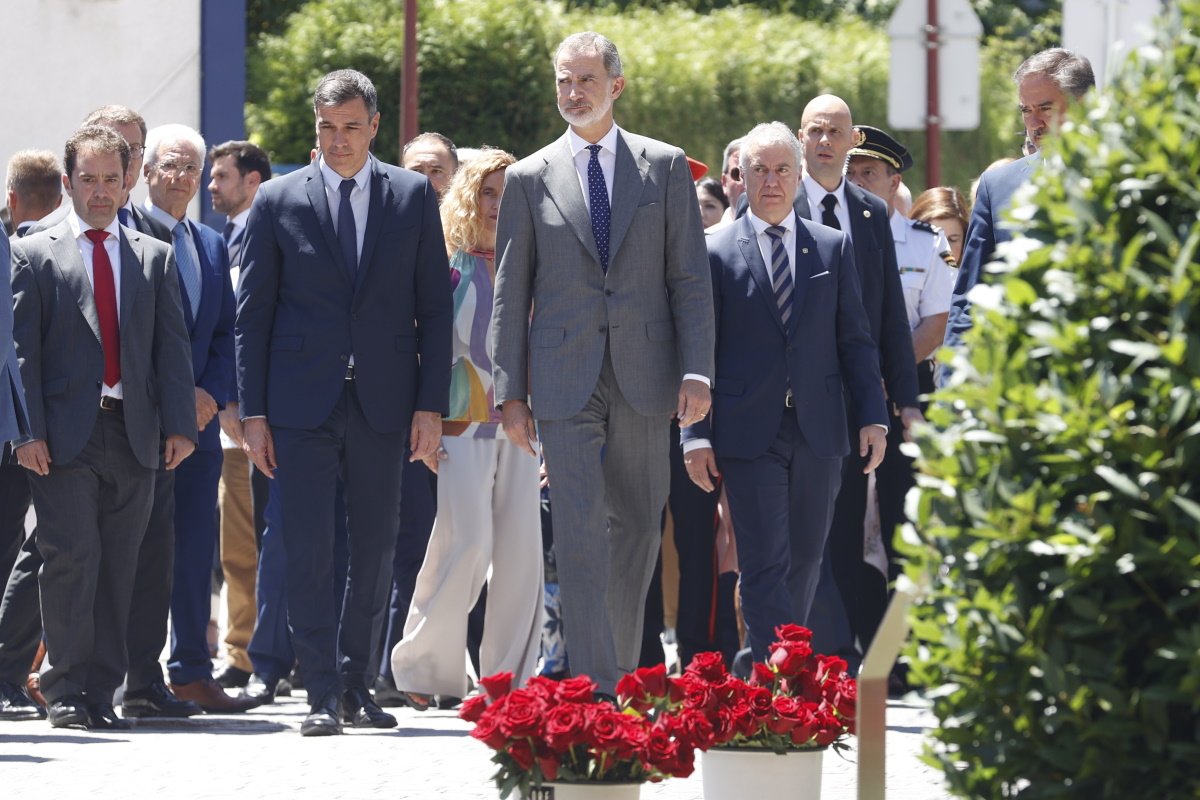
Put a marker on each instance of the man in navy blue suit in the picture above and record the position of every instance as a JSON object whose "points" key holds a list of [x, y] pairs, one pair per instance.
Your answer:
{"points": [[792, 337], [343, 359], [1047, 83], [175, 562]]}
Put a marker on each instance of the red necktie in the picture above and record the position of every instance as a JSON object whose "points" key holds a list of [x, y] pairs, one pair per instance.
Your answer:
{"points": [[105, 291]]}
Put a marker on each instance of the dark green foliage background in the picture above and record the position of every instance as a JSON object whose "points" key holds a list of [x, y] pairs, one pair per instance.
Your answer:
{"points": [[1059, 515], [696, 78]]}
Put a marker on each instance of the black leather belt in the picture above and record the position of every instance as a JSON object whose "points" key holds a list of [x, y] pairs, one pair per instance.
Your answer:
{"points": [[109, 403]]}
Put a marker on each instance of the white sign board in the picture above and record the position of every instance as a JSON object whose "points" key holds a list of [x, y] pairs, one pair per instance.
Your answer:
{"points": [[1106, 30], [958, 65]]}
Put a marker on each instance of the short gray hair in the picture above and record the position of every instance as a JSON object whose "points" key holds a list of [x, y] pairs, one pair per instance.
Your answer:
{"points": [[1071, 72], [342, 86], [591, 43], [157, 138], [768, 133], [733, 147]]}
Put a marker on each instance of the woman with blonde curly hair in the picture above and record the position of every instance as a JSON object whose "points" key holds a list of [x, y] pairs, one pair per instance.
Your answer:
{"points": [[488, 504]]}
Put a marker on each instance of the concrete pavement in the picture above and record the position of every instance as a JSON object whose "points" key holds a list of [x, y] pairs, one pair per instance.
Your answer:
{"points": [[261, 756]]}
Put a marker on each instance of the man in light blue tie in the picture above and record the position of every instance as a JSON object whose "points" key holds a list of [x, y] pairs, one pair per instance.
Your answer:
{"points": [[175, 564]]}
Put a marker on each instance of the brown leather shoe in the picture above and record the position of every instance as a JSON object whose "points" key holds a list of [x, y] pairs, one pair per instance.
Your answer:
{"points": [[209, 695]]}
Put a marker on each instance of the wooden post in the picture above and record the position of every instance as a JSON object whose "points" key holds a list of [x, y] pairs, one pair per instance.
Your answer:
{"points": [[933, 118], [409, 82]]}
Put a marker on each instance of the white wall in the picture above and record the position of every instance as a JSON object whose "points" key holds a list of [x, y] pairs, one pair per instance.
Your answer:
{"points": [[64, 58]]}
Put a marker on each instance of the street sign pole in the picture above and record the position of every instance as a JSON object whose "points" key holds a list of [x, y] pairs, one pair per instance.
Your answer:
{"points": [[409, 83], [933, 120]]}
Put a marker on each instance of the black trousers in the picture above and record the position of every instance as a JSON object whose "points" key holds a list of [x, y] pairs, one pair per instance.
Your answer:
{"points": [[20, 609]]}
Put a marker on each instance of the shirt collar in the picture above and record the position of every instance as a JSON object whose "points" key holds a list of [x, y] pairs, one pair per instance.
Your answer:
{"points": [[334, 181], [899, 226], [239, 220], [158, 214], [607, 142], [816, 192], [760, 225], [78, 227]]}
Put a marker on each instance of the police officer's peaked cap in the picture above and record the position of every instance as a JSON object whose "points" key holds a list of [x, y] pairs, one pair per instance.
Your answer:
{"points": [[877, 143]]}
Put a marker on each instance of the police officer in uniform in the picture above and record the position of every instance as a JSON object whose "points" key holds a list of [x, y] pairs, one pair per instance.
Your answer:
{"points": [[927, 274]]}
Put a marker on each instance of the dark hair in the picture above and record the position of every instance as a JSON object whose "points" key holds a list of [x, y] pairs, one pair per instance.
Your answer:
{"points": [[247, 156], [35, 177], [713, 187], [1071, 72], [342, 86], [440, 138], [116, 115], [99, 139]]}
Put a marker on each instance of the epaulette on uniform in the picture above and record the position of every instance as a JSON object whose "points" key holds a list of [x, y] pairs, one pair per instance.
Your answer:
{"points": [[948, 257], [921, 225]]}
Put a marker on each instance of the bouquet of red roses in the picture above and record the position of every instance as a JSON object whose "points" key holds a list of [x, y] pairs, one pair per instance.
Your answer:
{"points": [[558, 731], [795, 701]]}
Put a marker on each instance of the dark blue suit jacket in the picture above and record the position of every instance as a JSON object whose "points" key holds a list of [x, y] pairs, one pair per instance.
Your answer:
{"points": [[302, 312], [826, 345], [985, 231], [211, 332]]}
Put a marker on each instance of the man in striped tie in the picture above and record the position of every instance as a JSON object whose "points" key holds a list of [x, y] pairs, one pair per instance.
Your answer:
{"points": [[792, 336]]}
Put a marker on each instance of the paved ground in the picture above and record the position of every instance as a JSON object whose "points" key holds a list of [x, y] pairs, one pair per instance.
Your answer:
{"points": [[261, 756]]}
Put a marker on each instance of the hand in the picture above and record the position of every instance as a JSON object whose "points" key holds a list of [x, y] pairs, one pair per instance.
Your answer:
{"points": [[872, 442], [259, 445], [35, 457], [695, 398], [426, 435], [909, 416], [231, 423], [431, 460], [518, 425], [701, 467], [206, 408], [177, 449], [543, 476]]}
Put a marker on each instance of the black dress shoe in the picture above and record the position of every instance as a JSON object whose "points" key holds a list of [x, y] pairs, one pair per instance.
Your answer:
{"points": [[324, 719], [361, 710], [68, 712], [447, 702], [262, 688], [15, 704], [103, 717], [232, 678], [388, 695], [156, 700]]}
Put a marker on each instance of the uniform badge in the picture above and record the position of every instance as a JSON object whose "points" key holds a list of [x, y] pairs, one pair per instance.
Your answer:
{"points": [[860, 137]]}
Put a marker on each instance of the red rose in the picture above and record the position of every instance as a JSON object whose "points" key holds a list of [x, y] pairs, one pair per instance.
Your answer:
{"points": [[522, 753], [697, 694], [667, 755], [793, 633], [523, 714], [631, 692], [804, 685], [762, 675], [829, 667], [728, 689], [472, 708], [543, 687], [579, 689], [548, 766], [654, 679], [828, 728], [694, 728], [760, 701], [566, 726], [789, 658], [802, 734], [846, 698], [709, 666], [497, 685], [785, 714], [744, 720], [675, 690], [723, 727], [487, 730]]}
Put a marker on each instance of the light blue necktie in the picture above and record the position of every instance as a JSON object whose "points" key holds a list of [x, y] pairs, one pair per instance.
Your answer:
{"points": [[189, 272], [781, 273], [598, 202]]}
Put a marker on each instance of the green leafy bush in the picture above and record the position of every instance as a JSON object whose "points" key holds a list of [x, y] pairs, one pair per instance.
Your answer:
{"points": [[1059, 511]]}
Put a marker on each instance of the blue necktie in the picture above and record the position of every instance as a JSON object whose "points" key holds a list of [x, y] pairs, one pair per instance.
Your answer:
{"points": [[781, 273], [123, 215], [347, 232], [598, 202], [189, 272], [227, 233]]}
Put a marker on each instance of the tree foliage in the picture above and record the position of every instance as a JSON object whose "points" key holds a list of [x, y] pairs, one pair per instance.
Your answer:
{"points": [[1059, 511], [694, 79]]}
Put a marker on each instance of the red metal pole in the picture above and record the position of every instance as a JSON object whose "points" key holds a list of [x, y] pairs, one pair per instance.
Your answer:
{"points": [[933, 122], [409, 83]]}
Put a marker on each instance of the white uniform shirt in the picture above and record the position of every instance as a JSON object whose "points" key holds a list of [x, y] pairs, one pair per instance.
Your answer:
{"points": [[927, 280]]}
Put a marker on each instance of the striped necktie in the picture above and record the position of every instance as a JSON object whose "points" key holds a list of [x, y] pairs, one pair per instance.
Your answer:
{"points": [[781, 273]]}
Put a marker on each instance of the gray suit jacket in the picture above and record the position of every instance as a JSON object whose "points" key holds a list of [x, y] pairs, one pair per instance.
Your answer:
{"points": [[57, 332], [14, 421], [652, 309]]}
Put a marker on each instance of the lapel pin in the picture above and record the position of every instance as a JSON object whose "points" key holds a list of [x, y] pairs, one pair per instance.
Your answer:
{"points": [[867, 213], [804, 250]]}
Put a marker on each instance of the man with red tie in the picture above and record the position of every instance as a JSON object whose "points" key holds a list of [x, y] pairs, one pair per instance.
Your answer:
{"points": [[106, 362]]}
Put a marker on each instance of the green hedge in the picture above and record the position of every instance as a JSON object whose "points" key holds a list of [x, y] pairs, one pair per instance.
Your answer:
{"points": [[696, 80], [1059, 515]]}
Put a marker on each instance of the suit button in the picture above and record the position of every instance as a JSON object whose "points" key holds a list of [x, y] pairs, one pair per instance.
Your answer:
{"points": [[609, 292], [343, 357], [602, 329]]}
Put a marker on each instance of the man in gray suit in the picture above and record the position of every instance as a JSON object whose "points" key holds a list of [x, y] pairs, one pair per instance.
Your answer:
{"points": [[105, 358], [599, 238]]}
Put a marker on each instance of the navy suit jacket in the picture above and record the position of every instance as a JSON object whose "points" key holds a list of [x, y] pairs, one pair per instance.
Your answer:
{"points": [[985, 231], [827, 344], [302, 312], [211, 332]]}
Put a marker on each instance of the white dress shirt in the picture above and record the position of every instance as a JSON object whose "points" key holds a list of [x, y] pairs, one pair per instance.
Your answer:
{"points": [[239, 223], [360, 197], [607, 157], [816, 193], [766, 243], [156, 213], [112, 245]]}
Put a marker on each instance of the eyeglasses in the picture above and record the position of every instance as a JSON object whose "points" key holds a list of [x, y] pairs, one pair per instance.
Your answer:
{"points": [[178, 168], [137, 150]]}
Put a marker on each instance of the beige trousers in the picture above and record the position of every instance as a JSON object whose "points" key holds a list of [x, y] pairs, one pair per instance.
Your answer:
{"points": [[239, 557]]}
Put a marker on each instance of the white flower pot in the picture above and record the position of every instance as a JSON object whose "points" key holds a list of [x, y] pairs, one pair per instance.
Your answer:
{"points": [[596, 790], [737, 774]]}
